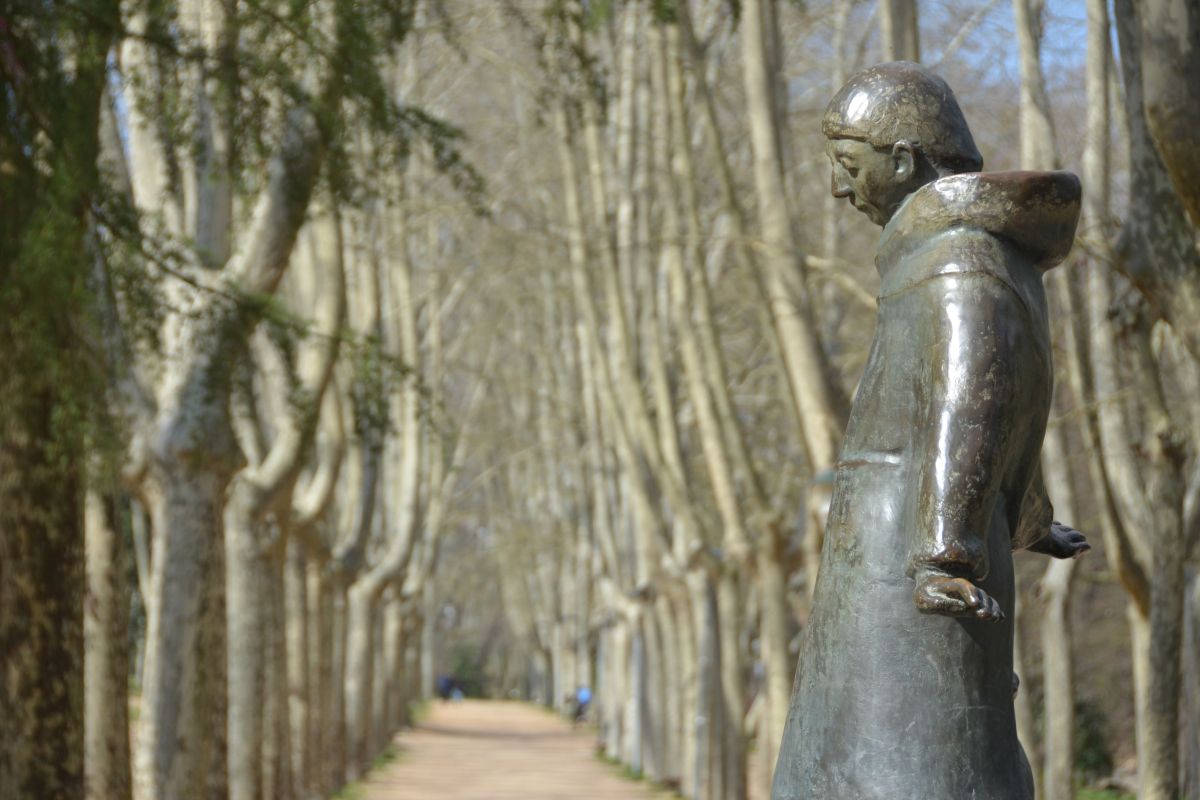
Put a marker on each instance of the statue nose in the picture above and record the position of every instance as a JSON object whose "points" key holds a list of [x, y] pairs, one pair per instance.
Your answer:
{"points": [[839, 188]]}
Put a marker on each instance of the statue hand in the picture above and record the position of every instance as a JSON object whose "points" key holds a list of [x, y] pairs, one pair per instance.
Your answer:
{"points": [[1062, 541], [1067, 542], [937, 593]]}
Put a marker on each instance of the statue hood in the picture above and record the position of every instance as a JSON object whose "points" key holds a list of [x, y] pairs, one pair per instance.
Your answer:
{"points": [[1035, 211]]}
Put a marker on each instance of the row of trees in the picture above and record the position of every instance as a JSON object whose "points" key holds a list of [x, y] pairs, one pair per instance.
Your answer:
{"points": [[701, 318], [222, 394], [271, 345]]}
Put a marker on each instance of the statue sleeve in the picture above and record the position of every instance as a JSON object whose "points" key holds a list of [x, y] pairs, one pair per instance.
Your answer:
{"points": [[967, 417], [1037, 512]]}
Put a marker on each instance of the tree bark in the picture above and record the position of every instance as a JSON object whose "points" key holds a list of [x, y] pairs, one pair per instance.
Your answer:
{"points": [[1058, 671], [898, 30], [821, 407], [246, 575], [730, 748], [1191, 690], [171, 759], [106, 652], [1037, 124], [298, 625], [1170, 63], [48, 387]]}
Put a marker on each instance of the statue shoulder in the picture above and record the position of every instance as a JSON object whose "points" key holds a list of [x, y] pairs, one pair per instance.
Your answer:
{"points": [[933, 260]]}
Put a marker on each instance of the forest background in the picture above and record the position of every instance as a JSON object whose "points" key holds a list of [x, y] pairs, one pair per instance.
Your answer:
{"points": [[349, 343]]}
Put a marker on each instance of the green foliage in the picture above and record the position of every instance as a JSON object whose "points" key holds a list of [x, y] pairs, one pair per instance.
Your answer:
{"points": [[283, 54], [1102, 794], [351, 791], [1093, 756], [389, 755], [377, 375], [468, 669], [53, 60], [358, 790], [665, 11], [597, 13]]}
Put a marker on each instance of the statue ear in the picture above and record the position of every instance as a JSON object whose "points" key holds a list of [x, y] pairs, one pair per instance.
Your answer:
{"points": [[904, 160]]}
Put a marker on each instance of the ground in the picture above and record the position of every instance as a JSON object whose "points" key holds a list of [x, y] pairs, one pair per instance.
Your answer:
{"points": [[477, 750]]}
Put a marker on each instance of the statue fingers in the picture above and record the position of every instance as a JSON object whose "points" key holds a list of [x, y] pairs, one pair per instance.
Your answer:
{"points": [[989, 608]]}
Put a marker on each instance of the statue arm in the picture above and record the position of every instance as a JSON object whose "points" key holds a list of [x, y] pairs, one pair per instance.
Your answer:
{"points": [[1039, 532], [1037, 513], [970, 416]]}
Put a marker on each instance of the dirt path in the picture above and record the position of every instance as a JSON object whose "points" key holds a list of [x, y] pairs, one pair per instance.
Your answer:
{"points": [[496, 751]]}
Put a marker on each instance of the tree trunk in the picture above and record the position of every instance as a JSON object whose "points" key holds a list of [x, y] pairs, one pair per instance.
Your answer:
{"points": [[1037, 124], [731, 747], [898, 30], [707, 715], [1170, 63], [174, 740], [381, 648], [41, 622], [429, 617], [1058, 671], [106, 652], [1191, 690], [690, 695], [336, 688], [775, 636], [49, 385], [1022, 705], [633, 748], [653, 699], [247, 581], [359, 678], [670, 679], [277, 745], [618, 696], [820, 405], [297, 614], [1158, 753], [1139, 635], [213, 686]]}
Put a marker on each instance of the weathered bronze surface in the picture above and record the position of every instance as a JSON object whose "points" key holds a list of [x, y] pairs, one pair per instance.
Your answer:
{"points": [[905, 686]]}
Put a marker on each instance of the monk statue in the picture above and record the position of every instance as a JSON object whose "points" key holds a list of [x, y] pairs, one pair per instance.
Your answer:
{"points": [[905, 685]]}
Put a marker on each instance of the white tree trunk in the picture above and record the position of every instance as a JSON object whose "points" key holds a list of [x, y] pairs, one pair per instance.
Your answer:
{"points": [[246, 577], [106, 653], [898, 30], [173, 742], [299, 628], [820, 409]]}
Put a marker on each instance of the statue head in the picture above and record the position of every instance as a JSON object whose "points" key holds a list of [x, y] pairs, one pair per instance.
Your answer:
{"points": [[891, 129]]}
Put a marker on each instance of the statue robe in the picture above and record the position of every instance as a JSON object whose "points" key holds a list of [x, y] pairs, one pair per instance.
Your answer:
{"points": [[944, 437]]}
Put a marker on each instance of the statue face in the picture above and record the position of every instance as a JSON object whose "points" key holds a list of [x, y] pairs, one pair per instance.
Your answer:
{"points": [[874, 180]]}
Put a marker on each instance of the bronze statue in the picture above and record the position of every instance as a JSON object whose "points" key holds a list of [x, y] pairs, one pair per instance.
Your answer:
{"points": [[905, 686]]}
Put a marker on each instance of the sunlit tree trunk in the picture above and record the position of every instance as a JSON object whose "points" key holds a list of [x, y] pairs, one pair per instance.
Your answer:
{"points": [[1170, 32], [106, 651], [364, 596], [175, 731], [821, 407], [898, 30], [1161, 258], [1058, 671], [297, 614]]}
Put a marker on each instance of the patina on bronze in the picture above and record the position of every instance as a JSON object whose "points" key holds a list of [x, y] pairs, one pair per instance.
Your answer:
{"points": [[905, 685]]}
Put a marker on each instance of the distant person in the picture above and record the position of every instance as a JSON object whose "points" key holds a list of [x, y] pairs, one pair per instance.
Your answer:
{"points": [[583, 699], [445, 685]]}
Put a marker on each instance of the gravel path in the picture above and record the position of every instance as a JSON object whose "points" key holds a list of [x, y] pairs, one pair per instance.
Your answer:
{"points": [[496, 751]]}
